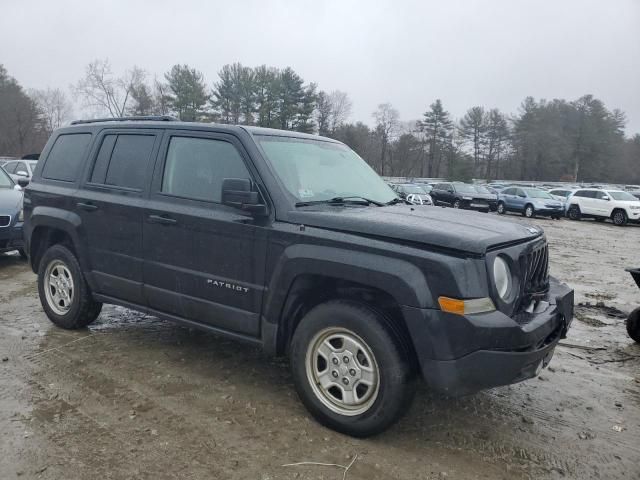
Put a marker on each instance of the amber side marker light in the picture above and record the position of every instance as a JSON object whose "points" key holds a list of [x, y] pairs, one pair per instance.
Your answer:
{"points": [[466, 307]]}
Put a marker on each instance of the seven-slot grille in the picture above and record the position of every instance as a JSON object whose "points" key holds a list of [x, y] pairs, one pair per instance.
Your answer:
{"points": [[5, 220], [537, 270]]}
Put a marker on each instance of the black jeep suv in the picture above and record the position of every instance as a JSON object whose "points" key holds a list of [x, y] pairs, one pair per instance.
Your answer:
{"points": [[292, 242]]}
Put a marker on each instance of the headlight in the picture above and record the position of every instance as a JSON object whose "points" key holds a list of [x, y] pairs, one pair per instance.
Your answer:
{"points": [[502, 277], [21, 215]]}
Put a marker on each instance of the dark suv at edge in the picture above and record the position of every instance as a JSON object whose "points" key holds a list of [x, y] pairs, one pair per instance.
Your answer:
{"points": [[292, 242]]}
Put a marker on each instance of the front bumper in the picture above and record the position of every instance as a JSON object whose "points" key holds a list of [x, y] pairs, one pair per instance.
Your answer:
{"points": [[11, 237], [550, 211], [459, 355]]}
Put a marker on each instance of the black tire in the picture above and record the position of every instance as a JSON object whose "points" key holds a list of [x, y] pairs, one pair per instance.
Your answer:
{"points": [[574, 212], [394, 361], [23, 254], [501, 208], [633, 325], [529, 211], [619, 218], [456, 204], [82, 308]]}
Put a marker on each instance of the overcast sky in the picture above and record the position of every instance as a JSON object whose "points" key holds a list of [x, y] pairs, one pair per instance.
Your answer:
{"points": [[491, 53]]}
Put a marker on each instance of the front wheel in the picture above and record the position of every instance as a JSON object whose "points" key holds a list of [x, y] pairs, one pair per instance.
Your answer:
{"points": [[633, 325], [529, 212], [619, 218], [501, 208], [456, 204], [64, 293], [351, 369]]}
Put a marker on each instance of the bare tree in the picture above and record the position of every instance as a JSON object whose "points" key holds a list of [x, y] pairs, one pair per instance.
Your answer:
{"points": [[340, 109], [54, 107], [387, 120], [100, 89]]}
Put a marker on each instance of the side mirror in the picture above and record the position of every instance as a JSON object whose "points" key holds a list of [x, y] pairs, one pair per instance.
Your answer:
{"points": [[237, 193], [23, 182], [606, 197], [22, 173]]}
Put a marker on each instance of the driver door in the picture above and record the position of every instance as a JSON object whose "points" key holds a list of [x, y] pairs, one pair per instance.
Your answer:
{"points": [[204, 261]]}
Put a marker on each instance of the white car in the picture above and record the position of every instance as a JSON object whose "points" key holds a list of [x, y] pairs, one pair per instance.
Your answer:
{"points": [[18, 169], [621, 207]]}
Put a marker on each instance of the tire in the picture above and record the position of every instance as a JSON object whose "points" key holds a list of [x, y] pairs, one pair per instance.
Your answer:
{"points": [[633, 325], [456, 204], [619, 218], [68, 303], [380, 355], [501, 208], [574, 212], [23, 254], [529, 211]]}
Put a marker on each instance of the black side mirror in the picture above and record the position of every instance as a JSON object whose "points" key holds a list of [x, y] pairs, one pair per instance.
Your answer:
{"points": [[23, 182], [450, 190], [237, 193]]}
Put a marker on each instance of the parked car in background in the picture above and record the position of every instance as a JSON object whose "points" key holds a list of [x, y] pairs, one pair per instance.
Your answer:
{"points": [[621, 207], [427, 187], [486, 193], [560, 193], [459, 195], [412, 193], [529, 202], [11, 215], [20, 169], [497, 186]]}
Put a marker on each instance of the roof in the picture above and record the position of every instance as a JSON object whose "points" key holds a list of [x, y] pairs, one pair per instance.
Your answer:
{"points": [[166, 121]]}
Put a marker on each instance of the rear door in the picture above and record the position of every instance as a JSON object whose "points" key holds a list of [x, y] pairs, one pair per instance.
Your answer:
{"points": [[111, 205], [204, 261]]}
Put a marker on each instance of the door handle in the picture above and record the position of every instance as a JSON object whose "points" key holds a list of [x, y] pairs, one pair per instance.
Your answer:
{"points": [[162, 220], [89, 207]]}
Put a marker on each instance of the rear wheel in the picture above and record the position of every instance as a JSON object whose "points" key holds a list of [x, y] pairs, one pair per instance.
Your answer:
{"points": [[574, 212], [619, 217], [633, 325], [456, 204], [529, 212], [501, 208], [350, 368], [64, 293]]}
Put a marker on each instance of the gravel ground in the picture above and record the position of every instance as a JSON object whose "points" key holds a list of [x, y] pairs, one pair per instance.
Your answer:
{"points": [[136, 397]]}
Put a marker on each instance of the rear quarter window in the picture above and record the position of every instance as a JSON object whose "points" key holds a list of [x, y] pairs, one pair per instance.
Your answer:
{"points": [[66, 157]]}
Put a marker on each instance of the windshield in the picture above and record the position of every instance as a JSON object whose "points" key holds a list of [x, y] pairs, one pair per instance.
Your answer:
{"points": [[313, 170], [413, 189], [534, 193], [464, 188], [625, 196], [5, 180], [481, 189]]}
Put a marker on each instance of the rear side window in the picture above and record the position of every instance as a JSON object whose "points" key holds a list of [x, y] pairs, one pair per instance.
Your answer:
{"points": [[66, 157], [122, 160], [196, 167], [10, 167]]}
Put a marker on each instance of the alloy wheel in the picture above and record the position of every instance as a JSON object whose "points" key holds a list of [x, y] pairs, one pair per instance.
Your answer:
{"points": [[58, 287]]}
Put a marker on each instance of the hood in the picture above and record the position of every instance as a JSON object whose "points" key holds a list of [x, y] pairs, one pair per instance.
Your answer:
{"points": [[446, 228], [548, 201], [10, 200]]}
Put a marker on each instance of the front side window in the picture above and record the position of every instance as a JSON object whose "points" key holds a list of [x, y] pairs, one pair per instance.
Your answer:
{"points": [[196, 167], [465, 188], [315, 170], [534, 193], [66, 156], [5, 180]]}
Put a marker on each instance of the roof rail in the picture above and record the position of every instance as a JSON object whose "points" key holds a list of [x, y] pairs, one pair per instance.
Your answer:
{"points": [[142, 118]]}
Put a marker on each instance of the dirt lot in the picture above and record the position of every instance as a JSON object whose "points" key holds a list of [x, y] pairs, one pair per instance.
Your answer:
{"points": [[135, 397]]}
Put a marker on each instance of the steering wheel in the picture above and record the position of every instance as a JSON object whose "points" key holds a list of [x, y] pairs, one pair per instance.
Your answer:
{"points": [[415, 199]]}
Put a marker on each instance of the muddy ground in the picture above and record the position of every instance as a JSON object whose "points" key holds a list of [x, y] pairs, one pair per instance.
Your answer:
{"points": [[136, 397]]}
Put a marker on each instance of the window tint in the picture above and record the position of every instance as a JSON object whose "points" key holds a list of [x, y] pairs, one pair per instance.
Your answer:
{"points": [[99, 173], [195, 167], [129, 161], [10, 167], [66, 156], [519, 192]]}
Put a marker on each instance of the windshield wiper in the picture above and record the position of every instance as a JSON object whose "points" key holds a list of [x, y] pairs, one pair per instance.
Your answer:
{"points": [[342, 200], [397, 200]]}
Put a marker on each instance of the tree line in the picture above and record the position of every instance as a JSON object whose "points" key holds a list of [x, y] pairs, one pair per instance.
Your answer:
{"points": [[579, 140]]}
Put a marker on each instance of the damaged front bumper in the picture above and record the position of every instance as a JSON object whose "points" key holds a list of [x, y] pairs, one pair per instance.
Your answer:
{"points": [[459, 355]]}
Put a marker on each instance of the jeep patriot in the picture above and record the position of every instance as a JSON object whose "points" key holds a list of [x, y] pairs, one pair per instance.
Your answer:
{"points": [[292, 242]]}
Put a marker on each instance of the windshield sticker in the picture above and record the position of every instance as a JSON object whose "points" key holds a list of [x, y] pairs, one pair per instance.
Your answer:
{"points": [[305, 193]]}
